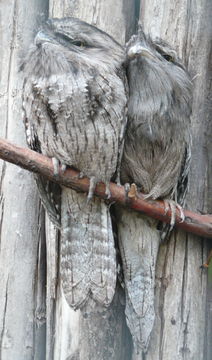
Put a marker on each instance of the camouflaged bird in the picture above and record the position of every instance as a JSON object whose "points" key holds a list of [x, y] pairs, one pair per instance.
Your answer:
{"points": [[74, 104], [156, 158]]}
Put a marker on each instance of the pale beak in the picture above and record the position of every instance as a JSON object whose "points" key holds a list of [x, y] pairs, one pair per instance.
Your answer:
{"points": [[42, 37], [138, 50]]}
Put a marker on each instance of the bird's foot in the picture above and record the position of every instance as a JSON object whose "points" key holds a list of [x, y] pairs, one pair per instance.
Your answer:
{"points": [[172, 205]]}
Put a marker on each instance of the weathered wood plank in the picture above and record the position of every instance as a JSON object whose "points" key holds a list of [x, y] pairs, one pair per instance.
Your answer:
{"points": [[22, 260]]}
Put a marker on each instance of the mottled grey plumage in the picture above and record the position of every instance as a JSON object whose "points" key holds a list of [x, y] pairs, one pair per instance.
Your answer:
{"points": [[74, 102], [156, 157]]}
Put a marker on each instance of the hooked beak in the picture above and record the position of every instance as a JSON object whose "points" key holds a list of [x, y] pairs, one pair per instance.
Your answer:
{"points": [[41, 37], [138, 50]]}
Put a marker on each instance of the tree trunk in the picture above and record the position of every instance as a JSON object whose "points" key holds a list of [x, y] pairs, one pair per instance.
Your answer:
{"points": [[22, 246]]}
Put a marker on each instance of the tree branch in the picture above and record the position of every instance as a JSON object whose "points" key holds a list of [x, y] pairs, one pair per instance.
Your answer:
{"points": [[35, 162]]}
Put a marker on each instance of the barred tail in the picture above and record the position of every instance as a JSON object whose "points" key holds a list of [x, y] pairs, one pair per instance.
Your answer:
{"points": [[87, 259], [139, 242]]}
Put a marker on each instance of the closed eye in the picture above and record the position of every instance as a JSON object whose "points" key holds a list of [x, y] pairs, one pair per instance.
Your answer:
{"points": [[64, 38]]}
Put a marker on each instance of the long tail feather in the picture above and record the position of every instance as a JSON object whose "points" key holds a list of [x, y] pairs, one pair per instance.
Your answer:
{"points": [[88, 259], [139, 242]]}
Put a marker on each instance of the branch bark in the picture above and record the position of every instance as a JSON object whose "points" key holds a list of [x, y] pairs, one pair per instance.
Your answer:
{"points": [[35, 162]]}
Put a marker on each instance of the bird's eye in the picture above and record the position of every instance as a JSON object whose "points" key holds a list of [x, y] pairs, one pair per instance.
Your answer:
{"points": [[63, 38], [168, 57], [78, 43]]}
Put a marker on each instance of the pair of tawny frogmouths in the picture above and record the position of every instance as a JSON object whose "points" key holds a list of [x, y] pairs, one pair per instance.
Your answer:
{"points": [[91, 104]]}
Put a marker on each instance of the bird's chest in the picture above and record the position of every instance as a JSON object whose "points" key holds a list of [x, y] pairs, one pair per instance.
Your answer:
{"points": [[77, 120]]}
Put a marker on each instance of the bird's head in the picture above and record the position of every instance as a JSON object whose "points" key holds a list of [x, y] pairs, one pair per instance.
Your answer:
{"points": [[156, 75], [79, 42], [142, 48]]}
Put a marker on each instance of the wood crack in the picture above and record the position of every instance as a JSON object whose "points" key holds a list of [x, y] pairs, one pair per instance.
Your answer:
{"points": [[4, 319], [2, 216], [183, 289], [161, 302], [12, 47]]}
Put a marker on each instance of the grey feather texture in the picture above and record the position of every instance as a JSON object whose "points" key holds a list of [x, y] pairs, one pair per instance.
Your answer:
{"points": [[74, 102], [156, 157]]}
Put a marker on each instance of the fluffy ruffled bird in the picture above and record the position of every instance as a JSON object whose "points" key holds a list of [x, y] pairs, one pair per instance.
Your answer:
{"points": [[156, 158], [74, 110]]}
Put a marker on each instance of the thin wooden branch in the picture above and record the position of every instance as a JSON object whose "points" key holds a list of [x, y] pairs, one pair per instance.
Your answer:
{"points": [[35, 162]]}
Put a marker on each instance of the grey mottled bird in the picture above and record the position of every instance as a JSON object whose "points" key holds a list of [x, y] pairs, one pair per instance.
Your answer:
{"points": [[156, 157], [74, 103]]}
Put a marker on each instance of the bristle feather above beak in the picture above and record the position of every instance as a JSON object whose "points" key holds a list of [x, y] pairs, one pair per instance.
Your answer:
{"points": [[138, 50]]}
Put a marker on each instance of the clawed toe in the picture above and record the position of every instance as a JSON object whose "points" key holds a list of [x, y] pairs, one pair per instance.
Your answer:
{"points": [[126, 189], [166, 206], [107, 190], [92, 186], [173, 212], [182, 215], [93, 182], [56, 165], [81, 175], [63, 168], [172, 205]]}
